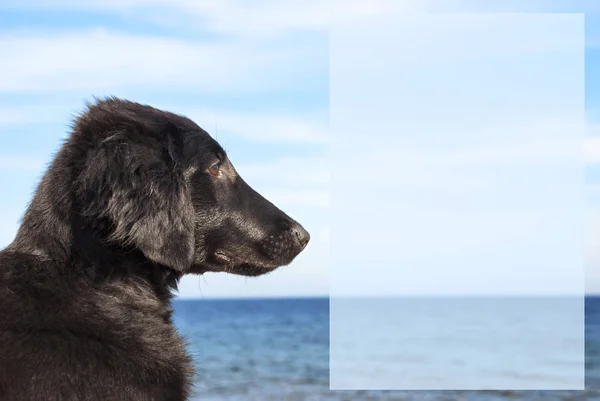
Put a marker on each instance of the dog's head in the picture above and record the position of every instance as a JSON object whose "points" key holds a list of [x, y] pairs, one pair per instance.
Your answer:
{"points": [[159, 183]]}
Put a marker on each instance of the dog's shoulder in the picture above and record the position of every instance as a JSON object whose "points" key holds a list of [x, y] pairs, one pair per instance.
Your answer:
{"points": [[115, 337]]}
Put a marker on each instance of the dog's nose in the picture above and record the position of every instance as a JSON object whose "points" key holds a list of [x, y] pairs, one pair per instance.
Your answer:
{"points": [[301, 234]]}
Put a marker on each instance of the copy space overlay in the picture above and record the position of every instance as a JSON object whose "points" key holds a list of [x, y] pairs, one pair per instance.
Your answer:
{"points": [[457, 249]]}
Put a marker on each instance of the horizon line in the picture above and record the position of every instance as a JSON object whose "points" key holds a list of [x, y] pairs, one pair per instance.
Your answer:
{"points": [[328, 296]]}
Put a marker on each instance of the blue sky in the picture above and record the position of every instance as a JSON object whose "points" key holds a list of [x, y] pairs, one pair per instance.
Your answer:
{"points": [[471, 179], [253, 73]]}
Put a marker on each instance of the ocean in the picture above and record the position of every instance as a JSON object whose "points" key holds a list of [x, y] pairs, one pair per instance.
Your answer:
{"points": [[278, 349]]}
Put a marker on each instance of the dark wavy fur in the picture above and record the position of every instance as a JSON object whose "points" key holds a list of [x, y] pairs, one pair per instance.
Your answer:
{"points": [[135, 198]]}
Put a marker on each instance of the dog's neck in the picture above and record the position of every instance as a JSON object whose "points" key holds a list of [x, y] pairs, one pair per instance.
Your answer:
{"points": [[45, 229], [62, 238]]}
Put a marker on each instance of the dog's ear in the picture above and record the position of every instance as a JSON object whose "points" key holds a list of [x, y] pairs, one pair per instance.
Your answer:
{"points": [[175, 143], [137, 184]]}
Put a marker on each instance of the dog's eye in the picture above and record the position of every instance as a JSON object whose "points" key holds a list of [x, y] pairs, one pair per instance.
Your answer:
{"points": [[215, 168]]}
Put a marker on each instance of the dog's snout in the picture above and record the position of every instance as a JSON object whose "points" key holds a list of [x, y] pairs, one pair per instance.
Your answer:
{"points": [[301, 234]]}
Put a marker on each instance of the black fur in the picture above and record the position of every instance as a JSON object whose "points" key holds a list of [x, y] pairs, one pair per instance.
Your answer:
{"points": [[135, 198]]}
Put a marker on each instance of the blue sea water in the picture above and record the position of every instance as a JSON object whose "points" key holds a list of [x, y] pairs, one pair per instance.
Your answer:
{"points": [[457, 343], [278, 349]]}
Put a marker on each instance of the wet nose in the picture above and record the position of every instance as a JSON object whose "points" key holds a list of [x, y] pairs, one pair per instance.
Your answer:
{"points": [[301, 234]]}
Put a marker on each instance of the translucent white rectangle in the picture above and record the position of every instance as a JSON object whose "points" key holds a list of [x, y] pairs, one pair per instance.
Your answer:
{"points": [[457, 171]]}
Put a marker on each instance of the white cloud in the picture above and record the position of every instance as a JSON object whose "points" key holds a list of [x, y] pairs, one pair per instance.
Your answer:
{"points": [[17, 116], [103, 61], [259, 126], [237, 17], [21, 163], [262, 18], [35, 113], [297, 197], [301, 171], [298, 181]]}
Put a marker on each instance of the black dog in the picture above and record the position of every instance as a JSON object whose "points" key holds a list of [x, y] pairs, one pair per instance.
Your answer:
{"points": [[135, 198]]}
